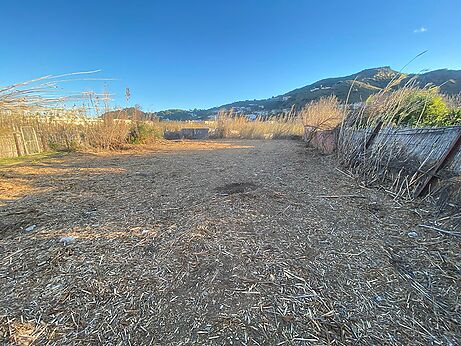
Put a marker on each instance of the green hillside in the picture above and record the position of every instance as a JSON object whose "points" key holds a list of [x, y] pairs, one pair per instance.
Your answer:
{"points": [[365, 83]]}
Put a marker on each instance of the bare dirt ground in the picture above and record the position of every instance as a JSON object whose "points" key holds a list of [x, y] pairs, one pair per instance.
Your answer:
{"points": [[217, 243]]}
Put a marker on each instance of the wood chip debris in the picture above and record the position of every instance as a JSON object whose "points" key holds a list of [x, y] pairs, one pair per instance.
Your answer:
{"points": [[162, 258]]}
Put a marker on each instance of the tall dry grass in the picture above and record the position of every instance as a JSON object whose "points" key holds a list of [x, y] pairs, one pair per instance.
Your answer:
{"points": [[36, 103], [70, 132], [41, 104], [78, 132], [37, 94], [232, 125], [323, 114], [453, 101]]}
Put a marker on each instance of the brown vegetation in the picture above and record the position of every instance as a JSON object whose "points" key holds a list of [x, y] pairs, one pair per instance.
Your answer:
{"points": [[323, 114], [231, 125], [78, 132]]}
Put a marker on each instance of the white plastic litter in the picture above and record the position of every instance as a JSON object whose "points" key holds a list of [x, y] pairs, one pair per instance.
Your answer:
{"points": [[412, 234], [30, 228], [67, 240]]}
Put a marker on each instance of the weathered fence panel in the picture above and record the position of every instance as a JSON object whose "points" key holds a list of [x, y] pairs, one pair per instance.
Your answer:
{"points": [[414, 149], [454, 165], [30, 140], [18, 142], [8, 147], [418, 149], [413, 160]]}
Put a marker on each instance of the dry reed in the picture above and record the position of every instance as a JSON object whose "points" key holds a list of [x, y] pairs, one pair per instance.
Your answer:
{"points": [[232, 125]]}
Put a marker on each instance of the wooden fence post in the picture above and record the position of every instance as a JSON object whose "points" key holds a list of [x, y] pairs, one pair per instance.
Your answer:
{"points": [[373, 134], [17, 141], [24, 141], [39, 148], [454, 147]]}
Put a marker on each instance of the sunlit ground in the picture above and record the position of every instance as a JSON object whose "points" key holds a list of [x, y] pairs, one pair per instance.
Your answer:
{"points": [[214, 242]]}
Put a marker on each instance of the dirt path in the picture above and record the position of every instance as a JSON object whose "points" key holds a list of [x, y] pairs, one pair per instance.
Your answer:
{"points": [[237, 242]]}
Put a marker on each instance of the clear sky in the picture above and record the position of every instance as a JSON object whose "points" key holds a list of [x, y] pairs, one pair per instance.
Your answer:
{"points": [[199, 54]]}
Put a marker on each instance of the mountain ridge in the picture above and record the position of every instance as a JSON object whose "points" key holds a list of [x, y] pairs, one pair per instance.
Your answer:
{"points": [[365, 83]]}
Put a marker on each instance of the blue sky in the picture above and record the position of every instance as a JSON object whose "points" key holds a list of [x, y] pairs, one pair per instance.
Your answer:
{"points": [[199, 54]]}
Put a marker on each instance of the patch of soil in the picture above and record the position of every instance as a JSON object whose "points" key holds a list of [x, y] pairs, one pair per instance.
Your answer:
{"points": [[232, 188]]}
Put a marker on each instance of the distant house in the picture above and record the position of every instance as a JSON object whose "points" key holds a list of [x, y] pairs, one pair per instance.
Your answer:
{"points": [[357, 105], [321, 87], [194, 133]]}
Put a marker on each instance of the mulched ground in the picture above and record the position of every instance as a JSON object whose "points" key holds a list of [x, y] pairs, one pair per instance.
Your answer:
{"points": [[217, 243]]}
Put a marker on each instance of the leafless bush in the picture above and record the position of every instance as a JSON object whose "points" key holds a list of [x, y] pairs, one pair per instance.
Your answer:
{"points": [[323, 114], [107, 133]]}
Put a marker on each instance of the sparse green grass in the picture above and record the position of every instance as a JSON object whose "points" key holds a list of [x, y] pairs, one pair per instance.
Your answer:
{"points": [[11, 161]]}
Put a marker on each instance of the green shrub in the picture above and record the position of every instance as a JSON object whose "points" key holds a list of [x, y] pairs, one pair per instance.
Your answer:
{"points": [[424, 108], [142, 133], [412, 106], [453, 118]]}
